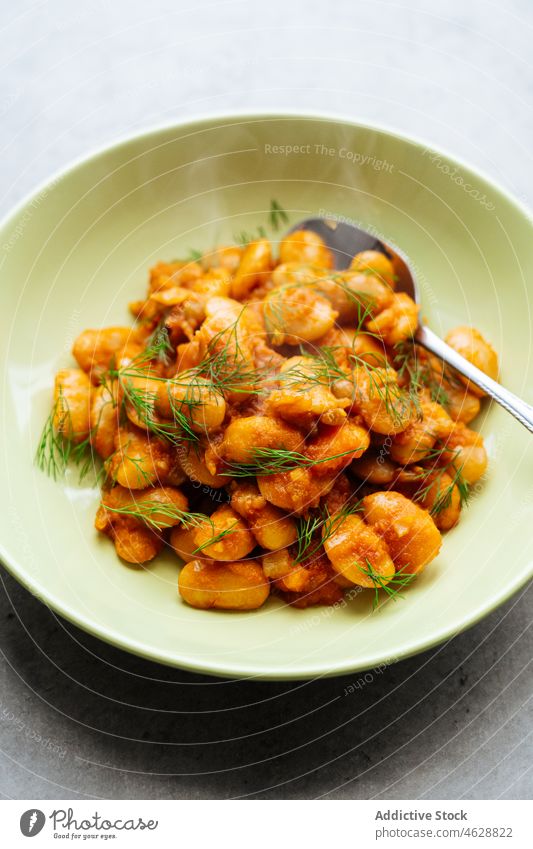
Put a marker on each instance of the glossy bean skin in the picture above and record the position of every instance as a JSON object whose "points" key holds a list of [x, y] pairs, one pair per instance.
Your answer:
{"points": [[411, 536], [297, 491], [366, 293], [171, 296], [398, 322], [289, 274], [184, 544], [341, 300], [164, 275], [465, 450], [164, 505], [281, 568], [295, 315], [461, 404], [121, 513], [141, 412], [353, 347], [193, 461], [355, 549], [334, 447], [311, 582], [227, 257], [228, 333], [441, 496], [469, 342], [214, 283], [351, 295], [383, 404], [271, 528], [226, 329], [139, 460], [375, 262], [321, 586], [72, 396], [157, 507], [96, 350], [223, 586], [104, 419], [243, 436], [305, 247], [375, 467], [136, 545], [255, 265], [418, 440], [193, 400], [302, 397], [224, 535]]}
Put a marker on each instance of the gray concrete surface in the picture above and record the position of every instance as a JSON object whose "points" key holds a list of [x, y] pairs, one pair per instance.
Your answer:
{"points": [[80, 719]]}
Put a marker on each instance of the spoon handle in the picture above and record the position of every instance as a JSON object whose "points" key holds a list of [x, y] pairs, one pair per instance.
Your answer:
{"points": [[514, 405]]}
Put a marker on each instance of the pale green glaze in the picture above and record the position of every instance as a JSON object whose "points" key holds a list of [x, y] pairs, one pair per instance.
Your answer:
{"points": [[75, 254]]}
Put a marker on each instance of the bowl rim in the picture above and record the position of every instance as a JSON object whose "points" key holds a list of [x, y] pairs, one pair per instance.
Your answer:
{"points": [[234, 669]]}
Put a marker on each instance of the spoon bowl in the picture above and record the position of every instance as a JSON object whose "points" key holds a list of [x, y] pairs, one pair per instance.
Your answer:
{"points": [[346, 240]]}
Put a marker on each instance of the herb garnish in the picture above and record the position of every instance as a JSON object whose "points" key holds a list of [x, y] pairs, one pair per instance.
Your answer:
{"points": [[393, 585]]}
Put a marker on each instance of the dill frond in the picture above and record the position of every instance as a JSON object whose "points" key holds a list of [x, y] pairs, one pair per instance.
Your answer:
{"points": [[55, 453], [432, 474], [400, 405], [158, 345], [216, 537], [419, 374], [278, 216], [147, 512], [273, 461], [322, 523], [392, 586]]}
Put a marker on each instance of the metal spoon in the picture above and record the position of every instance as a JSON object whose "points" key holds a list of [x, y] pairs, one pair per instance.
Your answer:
{"points": [[346, 240]]}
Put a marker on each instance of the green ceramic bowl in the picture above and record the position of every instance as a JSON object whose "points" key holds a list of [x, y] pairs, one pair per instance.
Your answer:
{"points": [[75, 253]]}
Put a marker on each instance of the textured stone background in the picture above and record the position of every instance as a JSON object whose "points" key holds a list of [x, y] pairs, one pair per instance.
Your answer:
{"points": [[80, 719]]}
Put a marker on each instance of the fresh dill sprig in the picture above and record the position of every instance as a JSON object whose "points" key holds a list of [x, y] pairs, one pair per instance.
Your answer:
{"points": [[432, 475], [244, 237], [416, 369], [193, 256], [279, 308], [314, 530], [52, 451], [55, 452], [307, 529], [278, 216], [444, 497], [319, 370], [268, 461], [158, 345], [399, 404], [223, 368], [148, 512], [392, 585], [216, 537], [224, 364], [274, 461], [143, 402]]}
